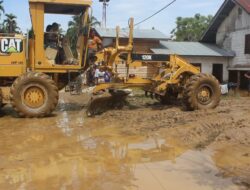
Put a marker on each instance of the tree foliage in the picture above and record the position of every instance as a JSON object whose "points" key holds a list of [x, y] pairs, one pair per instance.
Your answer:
{"points": [[10, 23], [74, 29], [94, 22], [2, 11], [72, 32], [191, 28]]}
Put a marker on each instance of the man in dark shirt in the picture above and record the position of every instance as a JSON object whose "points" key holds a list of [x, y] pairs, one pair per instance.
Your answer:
{"points": [[247, 75]]}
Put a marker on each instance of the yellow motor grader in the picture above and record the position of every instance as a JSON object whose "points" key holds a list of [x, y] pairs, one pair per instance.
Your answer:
{"points": [[34, 69], [176, 77]]}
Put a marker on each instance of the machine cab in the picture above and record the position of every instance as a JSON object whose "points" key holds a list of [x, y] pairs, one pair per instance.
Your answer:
{"points": [[51, 51]]}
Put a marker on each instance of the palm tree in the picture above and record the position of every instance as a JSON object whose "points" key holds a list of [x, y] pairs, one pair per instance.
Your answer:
{"points": [[10, 23], [1, 8], [2, 11], [94, 22], [74, 29]]}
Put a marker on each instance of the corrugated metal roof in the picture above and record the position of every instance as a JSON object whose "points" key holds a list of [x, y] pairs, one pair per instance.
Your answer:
{"points": [[138, 33], [193, 49]]}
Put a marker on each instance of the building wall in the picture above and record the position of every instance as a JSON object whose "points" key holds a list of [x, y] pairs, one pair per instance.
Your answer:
{"points": [[207, 64], [149, 71], [142, 45], [144, 71], [231, 35], [107, 42], [137, 68]]}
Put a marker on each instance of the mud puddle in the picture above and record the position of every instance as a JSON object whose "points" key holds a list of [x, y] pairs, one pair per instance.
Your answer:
{"points": [[192, 170], [60, 153], [120, 150]]}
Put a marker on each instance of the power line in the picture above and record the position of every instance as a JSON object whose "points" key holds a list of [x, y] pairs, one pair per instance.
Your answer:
{"points": [[162, 9]]}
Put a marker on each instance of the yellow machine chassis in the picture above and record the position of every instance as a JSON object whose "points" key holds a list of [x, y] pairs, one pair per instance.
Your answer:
{"points": [[176, 67], [38, 60]]}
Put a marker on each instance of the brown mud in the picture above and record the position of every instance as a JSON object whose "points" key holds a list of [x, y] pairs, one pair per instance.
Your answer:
{"points": [[143, 146]]}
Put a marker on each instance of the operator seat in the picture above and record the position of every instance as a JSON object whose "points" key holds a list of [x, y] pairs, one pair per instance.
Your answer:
{"points": [[51, 46], [67, 53]]}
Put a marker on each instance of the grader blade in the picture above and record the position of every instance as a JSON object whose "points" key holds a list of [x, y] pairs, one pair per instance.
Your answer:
{"points": [[115, 99]]}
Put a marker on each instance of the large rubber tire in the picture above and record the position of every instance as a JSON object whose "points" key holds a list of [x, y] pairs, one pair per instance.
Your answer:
{"points": [[202, 91], [34, 95]]}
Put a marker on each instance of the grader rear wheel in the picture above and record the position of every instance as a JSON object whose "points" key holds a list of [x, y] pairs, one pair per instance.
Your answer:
{"points": [[202, 92], [34, 95]]}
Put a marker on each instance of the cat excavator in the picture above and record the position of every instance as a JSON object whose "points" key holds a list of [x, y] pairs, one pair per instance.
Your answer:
{"points": [[34, 68]]}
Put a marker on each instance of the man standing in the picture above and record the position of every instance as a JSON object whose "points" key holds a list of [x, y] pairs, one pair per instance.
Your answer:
{"points": [[95, 43], [247, 75], [97, 74]]}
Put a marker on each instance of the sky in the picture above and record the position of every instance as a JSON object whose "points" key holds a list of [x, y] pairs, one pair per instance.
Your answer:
{"points": [[119, 11]]}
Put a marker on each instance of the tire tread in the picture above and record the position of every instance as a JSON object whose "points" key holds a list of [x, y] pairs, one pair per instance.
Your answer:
{"points": [[188, 100], [53, 94]]}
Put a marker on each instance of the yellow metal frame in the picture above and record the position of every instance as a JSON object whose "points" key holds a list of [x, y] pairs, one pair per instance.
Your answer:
{"points": [[177, 67], [176, 70], [66, 2], [37, 58], [13, 64]]}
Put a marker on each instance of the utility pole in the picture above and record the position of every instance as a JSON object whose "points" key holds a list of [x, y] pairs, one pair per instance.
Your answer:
{"points": [[104, 12]]}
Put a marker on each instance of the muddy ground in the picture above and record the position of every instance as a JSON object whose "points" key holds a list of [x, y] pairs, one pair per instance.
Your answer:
{"points": [[143, 146]]}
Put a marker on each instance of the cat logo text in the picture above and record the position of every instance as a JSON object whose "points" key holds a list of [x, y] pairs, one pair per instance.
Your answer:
{"points": [[11, 45]]}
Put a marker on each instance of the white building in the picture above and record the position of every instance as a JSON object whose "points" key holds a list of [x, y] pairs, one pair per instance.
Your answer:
{"points": [[230, 30], [209, 57], [224, 49]]}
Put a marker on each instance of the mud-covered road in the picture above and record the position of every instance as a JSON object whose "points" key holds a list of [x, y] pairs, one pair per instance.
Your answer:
{"points": [[144, 146]]}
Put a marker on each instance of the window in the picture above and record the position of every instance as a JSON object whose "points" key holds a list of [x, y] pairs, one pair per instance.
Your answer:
{"points": [[240, 11], [247, 44], [218, 71]]}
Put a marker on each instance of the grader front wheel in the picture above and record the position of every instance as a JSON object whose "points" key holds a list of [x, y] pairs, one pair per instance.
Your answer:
{"points": [[34, 95], [202, 92]]}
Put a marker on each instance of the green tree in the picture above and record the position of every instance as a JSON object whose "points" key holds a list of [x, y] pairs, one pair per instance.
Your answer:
{"points": [[10, 23], [94, 22], [191, 28], [74, 29], [2, 11]]}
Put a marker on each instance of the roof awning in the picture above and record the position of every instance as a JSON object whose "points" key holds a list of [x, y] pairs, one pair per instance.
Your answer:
{"points": [[193, 49], [245, 67]]}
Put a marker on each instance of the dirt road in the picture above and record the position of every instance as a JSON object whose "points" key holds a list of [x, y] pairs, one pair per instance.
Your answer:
{"points": [[144, 146]]}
